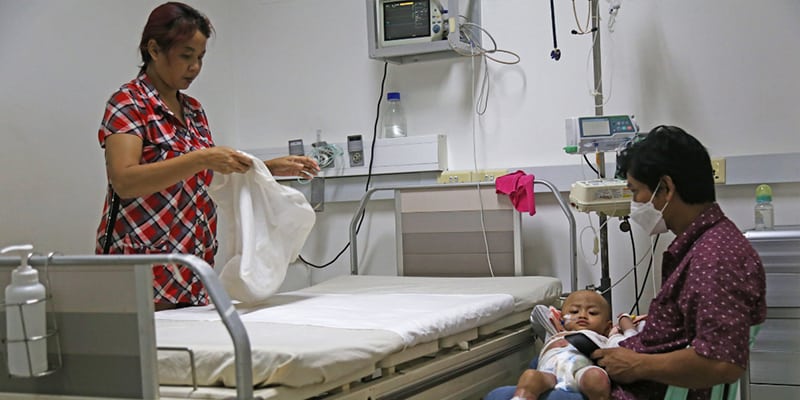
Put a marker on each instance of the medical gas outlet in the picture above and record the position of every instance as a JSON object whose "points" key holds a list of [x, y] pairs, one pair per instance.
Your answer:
{"points": [[607, 196]]}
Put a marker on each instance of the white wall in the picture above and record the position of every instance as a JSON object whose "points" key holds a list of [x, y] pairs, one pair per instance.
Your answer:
{"points": [[61, 62], [280, 69]]}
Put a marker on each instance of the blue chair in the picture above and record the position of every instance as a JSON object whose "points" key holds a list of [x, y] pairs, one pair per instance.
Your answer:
{"points": [[507, 392], [726, 391]]}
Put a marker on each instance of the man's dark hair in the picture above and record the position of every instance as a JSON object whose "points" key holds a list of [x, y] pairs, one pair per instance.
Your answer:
{"points": [[669, 150]]}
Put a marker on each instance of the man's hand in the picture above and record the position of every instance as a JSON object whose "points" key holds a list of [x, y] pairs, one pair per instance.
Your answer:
{"points": [[621, 364]]}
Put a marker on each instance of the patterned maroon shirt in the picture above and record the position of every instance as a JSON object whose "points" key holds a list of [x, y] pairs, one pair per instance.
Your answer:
{"points": [[179, 219], [714, 289]]}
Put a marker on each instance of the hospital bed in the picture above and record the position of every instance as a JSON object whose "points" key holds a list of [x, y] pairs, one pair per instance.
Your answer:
{"points": [[351, 337]]}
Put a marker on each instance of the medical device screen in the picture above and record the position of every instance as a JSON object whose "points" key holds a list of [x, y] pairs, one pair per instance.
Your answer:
{"points": [[406, 19], [595, 127]]}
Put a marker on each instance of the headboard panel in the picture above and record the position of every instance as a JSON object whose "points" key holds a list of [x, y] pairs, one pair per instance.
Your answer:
{"points": [[440, 232]]}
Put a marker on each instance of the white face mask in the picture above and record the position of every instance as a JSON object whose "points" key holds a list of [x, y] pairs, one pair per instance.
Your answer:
{"points": [[647, 217]]}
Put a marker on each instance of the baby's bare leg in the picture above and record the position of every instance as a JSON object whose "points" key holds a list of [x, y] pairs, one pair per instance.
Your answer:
{"points": [[594, 383], [533, 383]]}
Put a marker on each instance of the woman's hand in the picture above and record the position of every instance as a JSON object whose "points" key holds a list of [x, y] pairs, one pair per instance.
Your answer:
{"points": [[293, 166], [226, 160], [131, 179]]}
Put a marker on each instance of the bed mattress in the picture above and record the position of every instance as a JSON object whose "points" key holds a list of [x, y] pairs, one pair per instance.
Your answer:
{"points": [[346, 326]]}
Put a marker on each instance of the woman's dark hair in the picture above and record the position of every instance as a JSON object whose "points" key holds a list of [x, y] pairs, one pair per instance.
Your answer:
{"points": [[172, 23], [670, 151]]}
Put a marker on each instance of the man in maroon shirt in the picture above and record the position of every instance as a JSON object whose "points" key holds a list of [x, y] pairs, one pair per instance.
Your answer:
{"points": [[713, 287]]}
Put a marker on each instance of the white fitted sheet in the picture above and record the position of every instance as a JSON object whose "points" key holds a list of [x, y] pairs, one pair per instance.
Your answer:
{"points": [[340, 327]]}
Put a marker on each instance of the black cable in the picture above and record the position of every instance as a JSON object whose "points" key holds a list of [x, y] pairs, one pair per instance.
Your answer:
{"points": [[635, 274], [590, 165], [369, 172], [647, 273], [375, 129]]}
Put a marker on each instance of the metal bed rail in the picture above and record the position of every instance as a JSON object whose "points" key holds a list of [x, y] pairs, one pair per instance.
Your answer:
{"points": [[230, 318], [573, 252]]}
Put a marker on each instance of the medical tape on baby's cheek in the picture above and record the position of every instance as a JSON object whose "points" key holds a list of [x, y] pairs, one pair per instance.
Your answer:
{"points": [[566, 318]]}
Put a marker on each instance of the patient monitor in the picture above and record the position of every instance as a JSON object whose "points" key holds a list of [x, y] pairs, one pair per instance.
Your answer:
{"points": [[405, 31], [408, 21]]}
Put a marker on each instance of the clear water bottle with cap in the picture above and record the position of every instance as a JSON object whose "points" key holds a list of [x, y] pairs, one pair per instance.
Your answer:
{"points": [[765, 214], [394, 119]]}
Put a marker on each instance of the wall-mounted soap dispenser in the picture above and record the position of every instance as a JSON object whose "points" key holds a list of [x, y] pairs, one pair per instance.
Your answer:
{"points": [[26, 326]]}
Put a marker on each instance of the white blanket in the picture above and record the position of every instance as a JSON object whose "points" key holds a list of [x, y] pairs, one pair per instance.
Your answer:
{"points": [[417, 318], [268, 223]]}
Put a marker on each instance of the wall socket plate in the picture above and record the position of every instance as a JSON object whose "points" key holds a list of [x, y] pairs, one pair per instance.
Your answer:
{"points": [[455, 177], [718, 166], [487, 175]]}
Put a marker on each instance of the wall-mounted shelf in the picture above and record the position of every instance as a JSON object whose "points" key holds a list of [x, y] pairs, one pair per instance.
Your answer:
{"points": [[392, 156]]}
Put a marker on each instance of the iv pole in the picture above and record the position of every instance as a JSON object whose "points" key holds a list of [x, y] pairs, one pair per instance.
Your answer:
{"points": [[605, 276]]}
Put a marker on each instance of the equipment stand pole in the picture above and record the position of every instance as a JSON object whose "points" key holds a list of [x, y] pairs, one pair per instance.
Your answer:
{"points": [[605, 277]]}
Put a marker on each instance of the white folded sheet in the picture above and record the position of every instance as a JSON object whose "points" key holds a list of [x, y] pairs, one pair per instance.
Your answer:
{"points": [[417, 318]]}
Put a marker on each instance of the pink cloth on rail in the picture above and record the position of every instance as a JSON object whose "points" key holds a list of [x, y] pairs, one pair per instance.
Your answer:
{"points": [[519, 188]]}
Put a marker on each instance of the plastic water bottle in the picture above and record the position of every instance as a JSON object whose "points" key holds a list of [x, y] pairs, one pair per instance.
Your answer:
{"points": [[765, 214], [394, 119]]}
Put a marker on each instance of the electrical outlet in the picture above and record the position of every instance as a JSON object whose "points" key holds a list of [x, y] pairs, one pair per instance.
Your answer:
{"points": [[718, 166], [488, 175], [454, 177]]}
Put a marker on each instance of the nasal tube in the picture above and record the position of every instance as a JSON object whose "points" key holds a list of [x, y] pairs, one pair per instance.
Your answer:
{"points": [[26, 326]]}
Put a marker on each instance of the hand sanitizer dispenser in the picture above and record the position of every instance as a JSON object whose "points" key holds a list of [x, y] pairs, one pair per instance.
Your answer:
{"points": [[26, 327]]}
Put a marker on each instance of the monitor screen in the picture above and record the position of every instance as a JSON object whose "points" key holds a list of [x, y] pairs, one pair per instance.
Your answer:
{"points": [[406, 19], [595, 127]]}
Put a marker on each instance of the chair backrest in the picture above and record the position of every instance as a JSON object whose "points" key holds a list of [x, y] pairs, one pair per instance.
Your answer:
{"points": [[725, 391]]}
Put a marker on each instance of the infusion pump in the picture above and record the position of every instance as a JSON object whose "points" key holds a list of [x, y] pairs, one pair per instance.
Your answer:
{"points": [[599, 133], [611, 197]]}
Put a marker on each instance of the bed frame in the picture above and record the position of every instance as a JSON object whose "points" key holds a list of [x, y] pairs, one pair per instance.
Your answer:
{"points": [[115, 340]]}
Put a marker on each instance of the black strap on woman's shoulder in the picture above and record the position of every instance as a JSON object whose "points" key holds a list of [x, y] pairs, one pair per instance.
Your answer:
{"points": [[112, 219]]}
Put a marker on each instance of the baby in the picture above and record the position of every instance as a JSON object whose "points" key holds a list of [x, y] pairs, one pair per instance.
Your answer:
{"points": [[561, 365]]}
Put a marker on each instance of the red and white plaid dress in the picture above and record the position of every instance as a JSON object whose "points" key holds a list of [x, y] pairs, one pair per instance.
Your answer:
{"points": [[179, 219]]}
